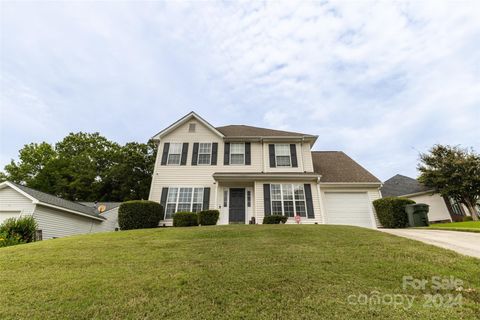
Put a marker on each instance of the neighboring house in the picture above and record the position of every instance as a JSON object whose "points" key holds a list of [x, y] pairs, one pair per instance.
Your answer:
{"points": [[441, 208], [55, 217], [248, 172]]}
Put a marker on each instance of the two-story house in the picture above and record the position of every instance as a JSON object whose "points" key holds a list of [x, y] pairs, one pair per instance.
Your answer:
{"points": [[248, 172]]}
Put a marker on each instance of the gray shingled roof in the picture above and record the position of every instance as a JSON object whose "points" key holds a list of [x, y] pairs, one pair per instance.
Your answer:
{"points": [[399, 185], [249, 131], [59, 202], [336, 166]]}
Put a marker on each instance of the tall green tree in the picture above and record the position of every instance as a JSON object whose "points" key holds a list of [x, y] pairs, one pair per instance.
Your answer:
{"points": [[453, 172]]}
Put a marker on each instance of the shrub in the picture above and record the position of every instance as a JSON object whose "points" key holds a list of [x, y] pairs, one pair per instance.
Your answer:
{"points": [[391, 211], [22, 228], [185, 219], [6, 240], [467, 218], [139, 214], [208, 217], [274, 219]]}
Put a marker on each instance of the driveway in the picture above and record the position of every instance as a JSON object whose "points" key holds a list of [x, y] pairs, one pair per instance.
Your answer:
{"points": [[467, 243]]}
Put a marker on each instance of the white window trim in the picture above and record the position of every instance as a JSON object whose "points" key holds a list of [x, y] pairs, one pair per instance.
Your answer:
{"points": [[198, 155], [237, 164], [294, 200], [178, 197], [289, 155], [179, 158]]}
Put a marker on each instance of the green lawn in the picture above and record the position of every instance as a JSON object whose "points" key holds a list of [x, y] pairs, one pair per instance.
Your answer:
{"points": [[469, 226], [228, 272]]}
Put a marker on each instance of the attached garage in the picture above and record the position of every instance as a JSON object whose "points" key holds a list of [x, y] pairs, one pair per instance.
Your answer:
{"points": [[349, 208]]}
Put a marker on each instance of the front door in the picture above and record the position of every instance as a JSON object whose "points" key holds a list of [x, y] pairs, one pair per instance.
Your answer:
{"points": [[237, 205]]}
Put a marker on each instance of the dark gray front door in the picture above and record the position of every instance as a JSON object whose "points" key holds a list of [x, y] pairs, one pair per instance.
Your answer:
{"points": [[237, 205]]}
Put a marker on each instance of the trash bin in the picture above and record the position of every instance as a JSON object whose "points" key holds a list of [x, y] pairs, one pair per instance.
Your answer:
{"points": [[417, 214]]}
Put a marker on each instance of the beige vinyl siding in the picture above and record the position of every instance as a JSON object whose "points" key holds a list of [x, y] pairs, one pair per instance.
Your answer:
{"points": [[12, 200], [260, 208], [373, 194], [55, 223], [304, 158], [108, 225], [437, 210]]}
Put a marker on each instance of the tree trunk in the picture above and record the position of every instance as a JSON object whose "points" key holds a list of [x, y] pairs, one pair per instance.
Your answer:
{"points": [[472, 210]]}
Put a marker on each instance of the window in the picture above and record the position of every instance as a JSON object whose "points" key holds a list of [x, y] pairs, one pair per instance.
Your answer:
{"points": [[282, 155], [174, 153], [288, 200], [183, 199], [456, 207], [225, 197], [204, 153], [249, 198], [237, 153], [191, 127]]}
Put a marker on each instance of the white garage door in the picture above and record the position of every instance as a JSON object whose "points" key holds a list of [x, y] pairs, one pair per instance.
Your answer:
{"points": [[348, 208], [4, 215]]}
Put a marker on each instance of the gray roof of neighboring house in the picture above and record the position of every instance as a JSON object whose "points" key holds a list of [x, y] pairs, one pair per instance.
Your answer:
{"points": [[399, 185], [336, 166], [59, 202], [249, 131], [108, 205]]}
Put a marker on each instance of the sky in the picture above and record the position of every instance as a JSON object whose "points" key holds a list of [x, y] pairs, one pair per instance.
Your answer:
{"points": [[381, 81]]}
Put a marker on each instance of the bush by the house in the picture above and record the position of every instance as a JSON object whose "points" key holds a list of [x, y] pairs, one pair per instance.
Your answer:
{"points": [[17, 230], [391, 211], [185, 219], [274, 219], [208, 217], [139, 214]]}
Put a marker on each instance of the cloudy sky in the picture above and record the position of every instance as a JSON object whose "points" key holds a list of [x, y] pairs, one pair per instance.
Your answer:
{"points": [[381, 81]]}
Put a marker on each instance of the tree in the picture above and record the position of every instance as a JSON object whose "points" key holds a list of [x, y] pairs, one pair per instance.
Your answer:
{"points": [[453, 172]]}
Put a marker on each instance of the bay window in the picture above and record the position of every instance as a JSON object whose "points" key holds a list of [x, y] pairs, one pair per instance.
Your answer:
{"points": [[288, 200]]}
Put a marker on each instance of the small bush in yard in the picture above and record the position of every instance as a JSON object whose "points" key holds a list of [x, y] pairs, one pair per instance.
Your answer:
{"points": [[274, 219], [185, 219], [18, 230], [391, 211], [139, 214], [208, 217]]}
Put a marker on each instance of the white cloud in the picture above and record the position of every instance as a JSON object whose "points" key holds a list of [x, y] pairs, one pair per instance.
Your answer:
{"points": [[378, 80]]}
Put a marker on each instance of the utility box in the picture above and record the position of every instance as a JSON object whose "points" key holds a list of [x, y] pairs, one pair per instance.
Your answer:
{"points": [[417, 214]]}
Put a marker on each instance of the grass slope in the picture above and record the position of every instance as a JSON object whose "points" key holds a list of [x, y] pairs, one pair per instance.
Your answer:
{"points": [[469, 226], [242, 272]]}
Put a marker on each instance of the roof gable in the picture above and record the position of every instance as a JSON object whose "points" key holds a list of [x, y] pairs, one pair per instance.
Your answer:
{"points": [[337, 167], [400, 185], [183, 120]]}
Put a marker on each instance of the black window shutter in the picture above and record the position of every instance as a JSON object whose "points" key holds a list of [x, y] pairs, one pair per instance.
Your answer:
{"points": [[166, 146], [226, 154], [271, 152], [195, 154], [308, 197], [183, 161], [293, 154], [163, 201], [248, 157], [206, 198], [214, 153], [266, 199]]}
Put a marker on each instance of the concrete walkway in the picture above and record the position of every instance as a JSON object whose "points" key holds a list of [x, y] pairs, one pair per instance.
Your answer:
{"points": [[467, 243]]}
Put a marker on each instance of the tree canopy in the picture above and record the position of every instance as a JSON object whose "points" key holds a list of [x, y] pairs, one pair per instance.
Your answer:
{"points": [[453, 172], [85, 166]]}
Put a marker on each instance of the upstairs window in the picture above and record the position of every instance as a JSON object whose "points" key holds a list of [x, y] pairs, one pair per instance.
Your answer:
{"points": [[183, 199], [237, 153], [282, 155], [204, 153], [174, 153]]}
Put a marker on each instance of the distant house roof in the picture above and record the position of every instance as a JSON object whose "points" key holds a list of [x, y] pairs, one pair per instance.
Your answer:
{"points": [[49, 199], [399, 185], [336, 166], [249, 131], [108, 205]]}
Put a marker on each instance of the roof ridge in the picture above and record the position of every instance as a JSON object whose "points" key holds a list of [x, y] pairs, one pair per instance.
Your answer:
{"points": [[48, 194]]}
